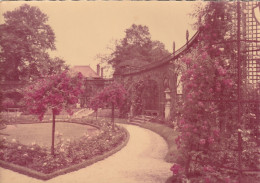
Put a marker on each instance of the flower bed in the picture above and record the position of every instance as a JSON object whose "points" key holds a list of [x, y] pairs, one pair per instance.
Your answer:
{"points": [[67, 153]]}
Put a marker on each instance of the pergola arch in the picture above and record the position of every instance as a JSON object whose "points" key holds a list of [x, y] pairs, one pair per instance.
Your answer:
{"points": [[163, 73]]}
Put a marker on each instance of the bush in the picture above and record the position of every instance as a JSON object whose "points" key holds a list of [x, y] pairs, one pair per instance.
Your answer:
{"points": [[8, 102]]}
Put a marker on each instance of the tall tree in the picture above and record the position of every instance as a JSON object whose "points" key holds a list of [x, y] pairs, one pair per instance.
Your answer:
{"points": [[25, 38], [136, 49], [53, 66]]}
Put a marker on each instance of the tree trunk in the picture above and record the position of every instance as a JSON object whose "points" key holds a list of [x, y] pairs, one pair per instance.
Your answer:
{"points": [[53, 133], [113, 116]]}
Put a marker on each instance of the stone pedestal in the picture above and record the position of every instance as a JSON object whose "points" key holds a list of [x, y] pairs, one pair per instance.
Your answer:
{"points": [[131, 111], [78, 105], [167, 105]]}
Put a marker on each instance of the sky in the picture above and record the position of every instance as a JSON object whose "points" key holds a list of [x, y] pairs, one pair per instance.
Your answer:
{"points": [[85, 29]]}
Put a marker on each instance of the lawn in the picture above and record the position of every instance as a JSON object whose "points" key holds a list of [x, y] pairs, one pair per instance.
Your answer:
{"points": [[40, 133], [79, 146]]}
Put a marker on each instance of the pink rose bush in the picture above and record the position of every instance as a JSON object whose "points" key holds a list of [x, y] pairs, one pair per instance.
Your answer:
{"points": [[56, 92], [204, 126], [208, 122], [113, 95]]}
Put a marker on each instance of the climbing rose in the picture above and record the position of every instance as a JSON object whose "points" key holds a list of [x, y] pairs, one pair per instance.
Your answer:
{"points": [[211, 140], [202, 141], [176, 168], [208, 168]]}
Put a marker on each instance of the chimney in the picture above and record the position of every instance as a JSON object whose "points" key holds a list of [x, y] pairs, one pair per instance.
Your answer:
{"points": [[98, 69], [173, 48], [187, 36], [102, 72]]}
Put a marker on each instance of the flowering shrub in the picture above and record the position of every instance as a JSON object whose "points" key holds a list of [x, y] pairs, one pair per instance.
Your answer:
{"points": [[55, 92], [67, 152], [113, 95], [208, 130], [208, 127], [178, 174]]}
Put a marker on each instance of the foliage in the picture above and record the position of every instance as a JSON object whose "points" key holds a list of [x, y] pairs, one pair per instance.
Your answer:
{"points": [[137, 100], [67, 152], [135, 49], [25, 39], [7, 102], [114, 95], [209, 130], [142, 95], [1, 100], [55, 92], [53, 66], [15, 95]]}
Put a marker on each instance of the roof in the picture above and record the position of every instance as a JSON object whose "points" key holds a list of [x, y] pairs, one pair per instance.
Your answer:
{"points": [[85, 70]]}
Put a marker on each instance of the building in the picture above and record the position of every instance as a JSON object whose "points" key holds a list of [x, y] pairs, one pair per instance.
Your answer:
{"points": [[93, 81]]}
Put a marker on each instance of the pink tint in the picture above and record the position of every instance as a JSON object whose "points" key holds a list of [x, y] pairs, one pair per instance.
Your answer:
{"points": [[202, 141], [211, 140], [176, 168]]}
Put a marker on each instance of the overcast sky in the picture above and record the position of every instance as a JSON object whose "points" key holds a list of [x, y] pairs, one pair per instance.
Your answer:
{"points": [[84, 29]]}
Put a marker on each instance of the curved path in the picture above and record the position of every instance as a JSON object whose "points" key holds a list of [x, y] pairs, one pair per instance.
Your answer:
{"points": [[141, 161]]}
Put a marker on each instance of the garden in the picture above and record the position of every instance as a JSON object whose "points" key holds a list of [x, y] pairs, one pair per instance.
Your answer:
{"points": [[47, 147], [67, 151], [213, 133]]}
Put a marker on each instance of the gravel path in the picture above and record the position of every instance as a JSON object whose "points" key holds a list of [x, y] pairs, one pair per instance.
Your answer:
{"points": [[141, 161]]}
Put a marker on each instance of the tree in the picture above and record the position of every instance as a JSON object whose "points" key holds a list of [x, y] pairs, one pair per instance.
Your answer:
{"points": [[25, 39], [135, 49], [53, 66], [95, 103], [55, 92], [113, 95]]}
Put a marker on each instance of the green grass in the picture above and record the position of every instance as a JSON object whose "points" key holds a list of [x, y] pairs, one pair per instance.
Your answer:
{"points": [[40, 133]]}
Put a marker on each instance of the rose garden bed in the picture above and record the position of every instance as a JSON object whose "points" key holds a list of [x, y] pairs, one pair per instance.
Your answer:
{"points": [[36, 161]]}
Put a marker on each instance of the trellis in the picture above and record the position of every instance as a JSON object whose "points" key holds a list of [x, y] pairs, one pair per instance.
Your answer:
{"points": [[246, 29]]}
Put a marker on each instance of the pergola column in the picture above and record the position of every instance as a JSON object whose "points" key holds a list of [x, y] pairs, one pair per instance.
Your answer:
{"points": [[167, 105]]}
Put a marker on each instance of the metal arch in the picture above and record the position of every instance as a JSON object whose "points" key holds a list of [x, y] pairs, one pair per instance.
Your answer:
{"points": [[165, 60]]}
